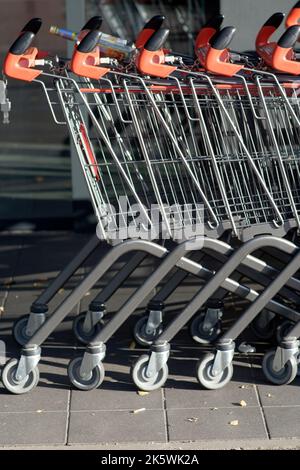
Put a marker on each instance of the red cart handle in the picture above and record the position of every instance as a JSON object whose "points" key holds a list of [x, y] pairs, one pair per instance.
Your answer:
{"points": [[217, 57], [280, 56], [293, 17], [20, 61], [269, 27], [207, 32], [86, 57], [151, 58], [153, 25]]}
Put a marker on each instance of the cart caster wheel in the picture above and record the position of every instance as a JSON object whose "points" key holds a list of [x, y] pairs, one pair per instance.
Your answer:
{"points": [[284, 376], [84, 336], [142, 381], [19, 330], [203, 336], [15, 387], [140, 334], [283, 330], [94, 381], [264, 333], [205, 377]]}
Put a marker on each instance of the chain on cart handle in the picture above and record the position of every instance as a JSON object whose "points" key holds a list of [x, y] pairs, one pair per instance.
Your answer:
{"points": [[151, 59], [216, 58], [207, 32], [293, 18], [269, 27], [86, 57], [153, 25], [20, 61]]}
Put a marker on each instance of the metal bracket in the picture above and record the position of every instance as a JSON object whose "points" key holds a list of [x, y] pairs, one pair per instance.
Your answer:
{"points": [[282, 356], [211, 318], [5, 104], [35, 321], [264, 318], [90, 361], [154, 321], [91, 320], [222, 360], [156, 362], [26, 365]]}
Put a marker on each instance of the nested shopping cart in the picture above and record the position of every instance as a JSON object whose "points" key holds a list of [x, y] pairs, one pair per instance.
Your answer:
{"points": [[136, 148]]}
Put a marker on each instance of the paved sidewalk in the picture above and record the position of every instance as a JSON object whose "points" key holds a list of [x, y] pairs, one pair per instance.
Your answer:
{"points": [[54, 414]]}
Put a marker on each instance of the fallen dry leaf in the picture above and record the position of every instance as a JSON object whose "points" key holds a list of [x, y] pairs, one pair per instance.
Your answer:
{"points": [[243, 403], [61, 290], [132, 345], [235, 422], [142, 394], [138, 411], [192, 420]]}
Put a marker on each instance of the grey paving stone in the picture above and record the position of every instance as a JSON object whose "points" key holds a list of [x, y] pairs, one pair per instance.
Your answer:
{"points": [[41, 398], [115, 396], [283, 421], [199, 424], [32, 428], [183, 390], [94, 427], [272, 395]]}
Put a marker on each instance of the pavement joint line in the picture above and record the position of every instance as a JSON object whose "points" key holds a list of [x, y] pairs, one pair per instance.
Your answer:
{"points": [[68, 420], [165, 414], [262, 412], [38, 412], [121, 410]]}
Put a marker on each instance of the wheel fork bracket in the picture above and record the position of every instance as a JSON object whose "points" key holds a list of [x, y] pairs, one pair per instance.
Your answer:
{"points": [[222, 359], [282, 355], [154, 321], [92, 319], [211, 318], [90, 360], [35, 321], [27, 364], [156, 362]]}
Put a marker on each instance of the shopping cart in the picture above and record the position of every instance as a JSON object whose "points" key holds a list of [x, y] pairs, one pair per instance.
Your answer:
{"points": [[150, 159], [265, 117], [88, 323]]}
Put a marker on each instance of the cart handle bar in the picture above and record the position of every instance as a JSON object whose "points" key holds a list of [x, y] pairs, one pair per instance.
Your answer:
{"points": [[280, 56], [207, 32], [269, 28], [20, 61], [86, 57], [151, 59], [215, 57], [153, 25], [293, 17]]}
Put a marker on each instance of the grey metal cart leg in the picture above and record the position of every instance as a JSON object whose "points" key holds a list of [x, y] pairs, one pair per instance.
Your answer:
{"points": [[149, 371], [86, 325], [27, 325]]}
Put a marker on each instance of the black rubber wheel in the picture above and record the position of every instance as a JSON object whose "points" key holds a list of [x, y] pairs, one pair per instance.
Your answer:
{"points": [[15, 387], [94, 381]]}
